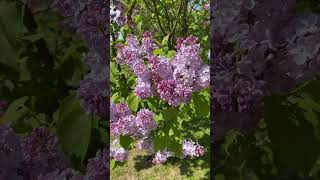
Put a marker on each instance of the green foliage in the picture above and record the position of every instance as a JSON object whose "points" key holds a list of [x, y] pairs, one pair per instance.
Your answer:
{"points": [[15, 111], [73, 127], [126, 142], [285, 144], [133, 102], [40, 69]]}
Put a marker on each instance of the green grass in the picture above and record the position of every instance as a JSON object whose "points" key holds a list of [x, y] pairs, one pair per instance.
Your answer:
{"points": [[139, 167]]}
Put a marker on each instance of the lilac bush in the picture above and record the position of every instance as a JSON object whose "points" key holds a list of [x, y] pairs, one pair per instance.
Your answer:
{"points": [[90, 19], [173, 80], [41, 154], [139, 127], [127, 124]]}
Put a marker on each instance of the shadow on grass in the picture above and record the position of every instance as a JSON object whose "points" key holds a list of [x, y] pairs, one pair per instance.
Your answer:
{"points": [[142, 162]]}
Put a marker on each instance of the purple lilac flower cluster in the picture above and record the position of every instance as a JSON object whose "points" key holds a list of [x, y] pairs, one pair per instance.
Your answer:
{"points": [[174, 80], [90, 19], [41, 154], [189, 148], [161, 156], [269, 58], [260, 47], [98, 167], [117, 152], [139, 128], [124, 123], [193, 149], [38, 156]]}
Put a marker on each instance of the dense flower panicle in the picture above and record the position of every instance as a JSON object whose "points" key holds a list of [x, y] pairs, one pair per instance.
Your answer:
{"points": [[143, 88], [161, 67], [118, 111], [166, 90], [183, 92], [124, 126], [161, 156], [117, 152], [294, 46], [120, 154], [123, 109], [174, 80], [94, 17], [10, 154], [140, 69], [42, 154], [193, 149], [124, 123], [93, 96], [148, 45], [128, 55], [67, 174], [203, 78], [145, 144], [98, 167], [173, 92], [145, 122], [276, 60]]}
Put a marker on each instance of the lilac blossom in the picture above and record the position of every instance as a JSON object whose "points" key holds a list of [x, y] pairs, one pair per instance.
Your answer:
{"points": [[161, 156], [125, 123], [145, 121], [42, 154], [98, 167], [117, 152], [193, 149], [93, 96], [143, 88], [174, 80]]}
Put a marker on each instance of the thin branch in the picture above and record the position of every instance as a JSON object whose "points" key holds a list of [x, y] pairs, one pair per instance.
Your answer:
{"points": [[148, 7], [178, 17], [185, 18], [129, 15], [169, 20], [157, 15]]}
